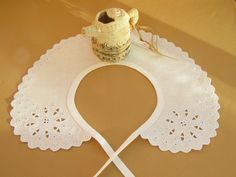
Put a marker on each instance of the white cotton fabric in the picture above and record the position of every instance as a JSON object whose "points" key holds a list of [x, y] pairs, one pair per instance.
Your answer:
{"points": [[42, 113]]}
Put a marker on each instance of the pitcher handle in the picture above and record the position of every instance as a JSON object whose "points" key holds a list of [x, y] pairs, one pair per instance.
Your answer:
{"points": [[133, 14]]}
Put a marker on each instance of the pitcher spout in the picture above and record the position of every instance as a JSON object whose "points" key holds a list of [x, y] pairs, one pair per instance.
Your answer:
{"points": [[90, 31]]}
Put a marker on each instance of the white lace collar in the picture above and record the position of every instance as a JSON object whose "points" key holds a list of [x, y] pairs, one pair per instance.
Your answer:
{"points": [[45, 116]]}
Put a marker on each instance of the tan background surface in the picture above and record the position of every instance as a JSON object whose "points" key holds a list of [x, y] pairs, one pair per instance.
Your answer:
{"points": [[205, 28], [116, 100]]}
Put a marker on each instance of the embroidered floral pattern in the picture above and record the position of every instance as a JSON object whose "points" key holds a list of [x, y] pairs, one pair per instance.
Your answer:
{"points": [[47, 127]]}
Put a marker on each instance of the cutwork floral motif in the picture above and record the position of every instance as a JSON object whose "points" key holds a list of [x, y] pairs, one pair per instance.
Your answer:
{"points": [[187, 124], [46, 122], [47, 126]]}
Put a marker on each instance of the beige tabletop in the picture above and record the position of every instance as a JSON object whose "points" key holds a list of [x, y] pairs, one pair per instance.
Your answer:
{"points": [[29, 28]]}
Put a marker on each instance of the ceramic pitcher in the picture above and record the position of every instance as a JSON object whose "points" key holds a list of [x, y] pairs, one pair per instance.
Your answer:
{"points": [[110, 33]]}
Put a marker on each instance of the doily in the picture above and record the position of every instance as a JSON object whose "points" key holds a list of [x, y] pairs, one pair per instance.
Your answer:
{"points": [[45, 116]]}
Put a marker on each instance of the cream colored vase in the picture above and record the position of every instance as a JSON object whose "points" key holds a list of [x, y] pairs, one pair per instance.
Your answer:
{"points": [[110, 33]]}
